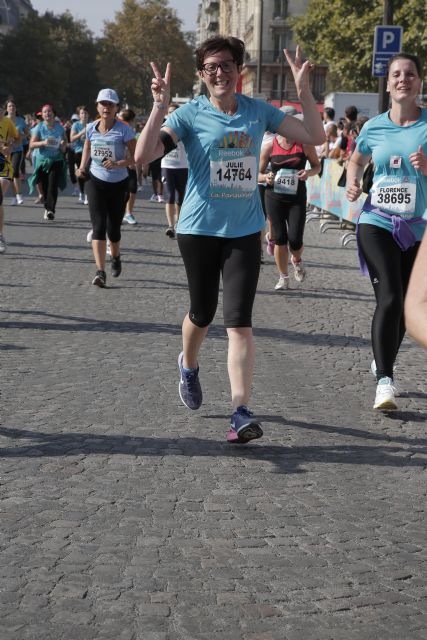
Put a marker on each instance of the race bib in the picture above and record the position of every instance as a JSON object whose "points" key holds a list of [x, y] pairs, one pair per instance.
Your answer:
{"points": [[286, 181], [172, 155], [232, 174], [53, 143], [102, 150], [395, 194]]}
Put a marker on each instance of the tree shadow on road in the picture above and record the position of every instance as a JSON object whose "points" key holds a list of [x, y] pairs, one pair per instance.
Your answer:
{"points": [[59, 322], [288, 459]]}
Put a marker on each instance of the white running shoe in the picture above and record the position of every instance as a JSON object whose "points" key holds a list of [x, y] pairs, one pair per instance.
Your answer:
{"points": [[89, 236], [86, 201], [385, 395], [300, 273], [396, 386], [129, 218], [3, 245], [19, 199], [48, 215], [160, 199], [12, 201], [154, 198], [81, 198], [283, 283]]}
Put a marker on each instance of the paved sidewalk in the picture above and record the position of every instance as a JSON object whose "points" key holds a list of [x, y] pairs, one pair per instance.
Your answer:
{"points": [[124, 516]]}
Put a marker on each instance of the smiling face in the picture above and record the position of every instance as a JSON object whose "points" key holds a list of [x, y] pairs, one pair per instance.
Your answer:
{"points": [[220, 84], [403, 82]]}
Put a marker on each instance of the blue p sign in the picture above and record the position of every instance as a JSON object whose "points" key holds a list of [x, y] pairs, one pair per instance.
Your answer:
{"points": [[387, 42], [388, 39]]}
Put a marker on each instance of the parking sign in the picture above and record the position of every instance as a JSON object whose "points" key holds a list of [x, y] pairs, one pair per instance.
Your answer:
{"points": [[387, 42]]}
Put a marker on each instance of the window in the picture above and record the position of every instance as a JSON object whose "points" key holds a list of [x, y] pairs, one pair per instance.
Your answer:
{"points": [[280, 9]]}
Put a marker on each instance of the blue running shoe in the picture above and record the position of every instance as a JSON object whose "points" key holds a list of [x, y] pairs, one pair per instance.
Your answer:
{"points": [[243, 426], [190, 390]]}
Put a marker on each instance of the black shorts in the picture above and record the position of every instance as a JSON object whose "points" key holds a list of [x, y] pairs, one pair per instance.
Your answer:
{"points": [[238, 260], [155, 169], [175, 181], [16, 159], [133, 181]]}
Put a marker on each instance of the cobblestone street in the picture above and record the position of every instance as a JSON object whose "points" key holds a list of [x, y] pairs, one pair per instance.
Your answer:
{"points": [[124, 516]]}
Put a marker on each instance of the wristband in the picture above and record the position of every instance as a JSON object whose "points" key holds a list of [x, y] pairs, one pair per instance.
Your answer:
{"points": [[160, 105]]}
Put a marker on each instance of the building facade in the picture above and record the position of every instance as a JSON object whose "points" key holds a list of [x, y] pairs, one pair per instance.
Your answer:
{"points": [[265, 28], [11, 13]]}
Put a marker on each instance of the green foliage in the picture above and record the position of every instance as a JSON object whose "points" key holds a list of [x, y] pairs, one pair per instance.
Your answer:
{"points": [[49, 59], [143, 32], [55, 58], [340, 33]]}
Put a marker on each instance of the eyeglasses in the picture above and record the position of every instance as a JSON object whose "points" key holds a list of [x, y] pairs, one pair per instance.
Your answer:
{"points": [[212, 67]]}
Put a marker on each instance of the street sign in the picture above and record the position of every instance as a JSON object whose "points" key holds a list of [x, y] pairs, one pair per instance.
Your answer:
{"points": [[387, 42]]}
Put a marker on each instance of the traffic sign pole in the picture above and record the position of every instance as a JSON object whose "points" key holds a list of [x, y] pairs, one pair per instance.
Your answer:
{"points": [[383, 99]]}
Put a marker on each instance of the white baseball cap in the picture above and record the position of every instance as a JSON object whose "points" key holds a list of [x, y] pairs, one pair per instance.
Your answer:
{"points": [[108, 95]]}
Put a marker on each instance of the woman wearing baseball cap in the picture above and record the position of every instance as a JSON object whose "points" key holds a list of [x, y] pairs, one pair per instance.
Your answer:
{"points": [[110, 146]]}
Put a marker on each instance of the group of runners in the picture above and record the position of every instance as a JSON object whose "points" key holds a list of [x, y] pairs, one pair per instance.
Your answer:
{"points": [[221, 219]]}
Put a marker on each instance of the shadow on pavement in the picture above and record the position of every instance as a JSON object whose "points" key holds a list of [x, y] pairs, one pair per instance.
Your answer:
{"points": [[286, 459]]}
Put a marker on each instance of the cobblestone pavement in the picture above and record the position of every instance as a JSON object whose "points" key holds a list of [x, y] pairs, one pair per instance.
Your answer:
{"points": [[126, 517]]}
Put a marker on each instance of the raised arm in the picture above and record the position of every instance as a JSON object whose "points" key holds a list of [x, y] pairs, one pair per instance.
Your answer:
{"points": [[149, 146], [311, 130]]}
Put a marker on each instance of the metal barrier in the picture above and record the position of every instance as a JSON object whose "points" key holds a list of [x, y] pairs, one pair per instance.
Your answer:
{"points": [[329, 205]]}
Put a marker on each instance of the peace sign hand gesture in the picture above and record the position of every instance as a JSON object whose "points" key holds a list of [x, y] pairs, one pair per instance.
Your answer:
{"points": [[300, 70], [160, 87]]}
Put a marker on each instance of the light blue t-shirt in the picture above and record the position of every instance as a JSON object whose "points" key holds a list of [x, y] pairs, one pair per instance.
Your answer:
{"points": [[222, 197], [55, 135], [111, 145], [398, 188], [21, 125], [77, 127]]}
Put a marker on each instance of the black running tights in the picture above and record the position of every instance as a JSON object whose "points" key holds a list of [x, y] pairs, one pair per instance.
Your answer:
{"points": [[389, 270]]}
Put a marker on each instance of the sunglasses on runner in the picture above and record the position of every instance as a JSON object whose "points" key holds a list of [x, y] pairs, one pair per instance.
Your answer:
{"points": [[106, 103], [210, 68]]}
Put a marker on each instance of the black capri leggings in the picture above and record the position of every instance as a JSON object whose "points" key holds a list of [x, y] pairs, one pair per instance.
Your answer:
{"points": [[287, 220], [16, 159], [133, 181], [238, 260], [176, 181], [389, 270], [107, 204]]}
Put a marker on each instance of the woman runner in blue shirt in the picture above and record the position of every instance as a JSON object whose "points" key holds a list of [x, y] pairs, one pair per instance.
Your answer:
{"points": [[221, 217], [391, 225]]}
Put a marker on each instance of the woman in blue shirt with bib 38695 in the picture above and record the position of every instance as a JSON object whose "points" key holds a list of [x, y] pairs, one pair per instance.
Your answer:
{"points": [[392, 221]]}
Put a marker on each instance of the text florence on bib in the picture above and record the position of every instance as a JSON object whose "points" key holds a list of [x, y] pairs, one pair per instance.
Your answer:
{"points": [[395, 194], [233, 173]]}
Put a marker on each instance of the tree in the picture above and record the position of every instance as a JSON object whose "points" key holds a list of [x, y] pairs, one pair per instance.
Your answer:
{"points": [[340, 33], [49, 59], [143, 32]]}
